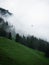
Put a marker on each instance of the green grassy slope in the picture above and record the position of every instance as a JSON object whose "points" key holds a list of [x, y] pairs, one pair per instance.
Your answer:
{"points": [[12, 53]]}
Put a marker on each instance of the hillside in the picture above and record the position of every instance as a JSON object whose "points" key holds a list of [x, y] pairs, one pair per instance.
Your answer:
{"points": [[4, 12], [12, 53]]}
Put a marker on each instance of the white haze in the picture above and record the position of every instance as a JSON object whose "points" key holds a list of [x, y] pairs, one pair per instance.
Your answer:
{"points": [[29, 16]]}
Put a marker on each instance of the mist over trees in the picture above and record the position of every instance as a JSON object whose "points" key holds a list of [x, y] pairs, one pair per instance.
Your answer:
{"points": [[4, 12], [5, 28], [29, 41]]}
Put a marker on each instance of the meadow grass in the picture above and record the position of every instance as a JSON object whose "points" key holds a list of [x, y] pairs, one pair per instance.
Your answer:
{"points": [[13, 53]]}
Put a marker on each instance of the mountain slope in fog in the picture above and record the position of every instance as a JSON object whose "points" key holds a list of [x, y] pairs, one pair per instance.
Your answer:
{"points": [[4, 12]]}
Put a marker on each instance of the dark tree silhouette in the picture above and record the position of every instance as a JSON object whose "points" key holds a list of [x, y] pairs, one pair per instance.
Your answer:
{"points": [[47, 50], [10, 36], [17, 38], [2, 31]]}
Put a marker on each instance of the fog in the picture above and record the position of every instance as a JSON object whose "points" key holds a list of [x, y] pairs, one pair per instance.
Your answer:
{"points": [[30, 17]]}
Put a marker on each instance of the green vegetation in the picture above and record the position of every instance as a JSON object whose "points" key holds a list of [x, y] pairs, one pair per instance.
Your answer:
{"points": [[12, 53]]}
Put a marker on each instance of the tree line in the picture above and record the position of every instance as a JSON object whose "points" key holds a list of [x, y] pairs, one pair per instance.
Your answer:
{"points": [[34, 43]]}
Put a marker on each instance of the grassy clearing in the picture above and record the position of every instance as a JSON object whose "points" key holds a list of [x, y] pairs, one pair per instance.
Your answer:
{"points": [[12, 53]]}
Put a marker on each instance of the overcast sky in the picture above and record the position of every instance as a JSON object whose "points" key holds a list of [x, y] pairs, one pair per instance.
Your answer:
{"points": [[29, 16]]}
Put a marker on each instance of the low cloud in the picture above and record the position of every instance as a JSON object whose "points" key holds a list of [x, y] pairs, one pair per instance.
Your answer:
{"points": [[29, 16]]}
